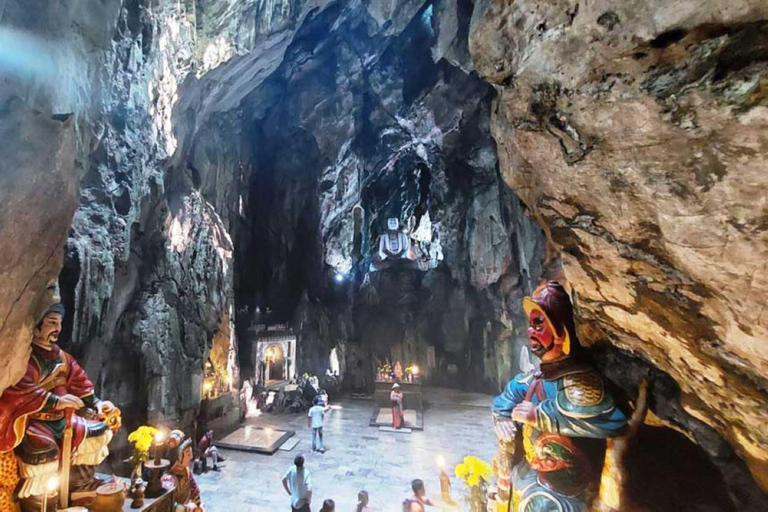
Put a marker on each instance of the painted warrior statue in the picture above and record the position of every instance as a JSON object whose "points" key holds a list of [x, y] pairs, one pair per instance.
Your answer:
{"points": [[179, 479], [33, 422], [557, 418]]}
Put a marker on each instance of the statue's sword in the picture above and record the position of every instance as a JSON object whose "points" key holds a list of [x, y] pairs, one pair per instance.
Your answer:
{"points": [[66, 459]]}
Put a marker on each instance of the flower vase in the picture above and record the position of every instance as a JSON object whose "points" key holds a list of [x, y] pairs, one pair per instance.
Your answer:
{"points": [[137, 472], [477, 499]]}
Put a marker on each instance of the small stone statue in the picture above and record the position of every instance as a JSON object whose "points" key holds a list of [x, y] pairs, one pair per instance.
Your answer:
{"points": [[552, 424], [398, 371], [137, 493]]}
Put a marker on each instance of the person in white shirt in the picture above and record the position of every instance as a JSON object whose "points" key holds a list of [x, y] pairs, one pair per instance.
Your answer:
{"points": [[298, 484], [316, 415]]}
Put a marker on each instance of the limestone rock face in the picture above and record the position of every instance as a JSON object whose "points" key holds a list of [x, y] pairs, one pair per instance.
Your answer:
{"points": [[637, 135], [38, 196]]}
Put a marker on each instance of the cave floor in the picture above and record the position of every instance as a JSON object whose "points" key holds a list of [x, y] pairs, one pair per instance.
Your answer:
{"points": [[358, 457]]}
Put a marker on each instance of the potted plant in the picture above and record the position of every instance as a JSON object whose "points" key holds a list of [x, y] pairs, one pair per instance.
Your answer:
{"points": [[142, 439], [476, 474]]}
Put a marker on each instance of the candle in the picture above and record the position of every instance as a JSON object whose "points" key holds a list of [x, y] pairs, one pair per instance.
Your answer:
{"points": [[158, 443], [445, 482], [50, 486]]}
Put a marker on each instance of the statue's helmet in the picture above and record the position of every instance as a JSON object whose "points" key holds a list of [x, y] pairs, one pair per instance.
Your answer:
{"points": [[552, 301], [393, 223], [176, 443]]}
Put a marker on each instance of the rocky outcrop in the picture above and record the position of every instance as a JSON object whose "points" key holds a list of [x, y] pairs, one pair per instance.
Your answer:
{"points": [[48, 72], [38, 196], [637, 135], [148, 272]]}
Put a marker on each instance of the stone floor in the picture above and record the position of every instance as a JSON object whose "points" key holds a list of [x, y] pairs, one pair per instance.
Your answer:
{"points": [[358, 457]]}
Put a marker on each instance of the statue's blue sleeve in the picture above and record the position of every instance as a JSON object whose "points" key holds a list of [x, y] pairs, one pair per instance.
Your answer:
{"points": [[513, 394], [581, 408]]}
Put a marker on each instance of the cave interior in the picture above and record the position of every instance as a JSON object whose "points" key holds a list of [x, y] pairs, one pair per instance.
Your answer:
{"points": [[208, 185]]}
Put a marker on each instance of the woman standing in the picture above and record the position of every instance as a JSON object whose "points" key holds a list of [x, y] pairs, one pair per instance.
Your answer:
{"points": [[396, 396]]}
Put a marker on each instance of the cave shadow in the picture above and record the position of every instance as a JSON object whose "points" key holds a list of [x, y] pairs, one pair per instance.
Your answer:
{"points": [[667, 472]]}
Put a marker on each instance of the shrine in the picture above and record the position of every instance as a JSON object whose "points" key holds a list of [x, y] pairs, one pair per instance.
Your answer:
{"points": [[275, 353]]}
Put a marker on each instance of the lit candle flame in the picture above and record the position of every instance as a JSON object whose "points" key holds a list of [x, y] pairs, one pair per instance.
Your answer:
{"points": [[52, 484], [440, 461], [159, 437]]}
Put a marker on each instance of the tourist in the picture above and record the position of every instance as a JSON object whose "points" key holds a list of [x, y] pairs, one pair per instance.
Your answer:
{"points": [[328, 506], [396, 396], [419, 500], [315, 416], [362, 502], [205, 449], [298, 484]]}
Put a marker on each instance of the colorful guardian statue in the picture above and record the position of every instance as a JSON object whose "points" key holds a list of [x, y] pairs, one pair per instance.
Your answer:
{"points": [[34, 430], [557, 418]]}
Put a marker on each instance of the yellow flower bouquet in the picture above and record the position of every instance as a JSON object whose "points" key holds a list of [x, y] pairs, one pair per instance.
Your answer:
{"points": [[477, 474], [142, 439]]}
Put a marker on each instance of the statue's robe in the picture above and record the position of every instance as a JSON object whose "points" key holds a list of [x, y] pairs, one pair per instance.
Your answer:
{"points": [[30, 425], [182, 482], [564, 450]]}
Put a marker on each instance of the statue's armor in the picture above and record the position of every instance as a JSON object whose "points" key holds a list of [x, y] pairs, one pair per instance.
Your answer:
{"points": [[563, 452]]}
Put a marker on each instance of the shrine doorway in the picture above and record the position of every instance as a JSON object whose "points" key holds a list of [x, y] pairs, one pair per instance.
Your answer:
{"points": [[274, 354], [274, 361]]}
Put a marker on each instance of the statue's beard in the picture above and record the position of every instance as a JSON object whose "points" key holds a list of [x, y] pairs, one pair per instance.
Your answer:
{"points": [[51, 339], [538, 348]]}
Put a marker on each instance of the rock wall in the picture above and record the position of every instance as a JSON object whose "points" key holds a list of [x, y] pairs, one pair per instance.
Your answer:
{"points": [[637, 135], [47, 71], [87, 100]]}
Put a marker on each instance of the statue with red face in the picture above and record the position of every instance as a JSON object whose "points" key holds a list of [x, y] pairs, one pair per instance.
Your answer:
{"points": [[558, 417]]}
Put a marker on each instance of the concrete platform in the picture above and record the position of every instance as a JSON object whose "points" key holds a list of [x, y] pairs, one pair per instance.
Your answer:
{"points": [[255, 439], [383, 418]]}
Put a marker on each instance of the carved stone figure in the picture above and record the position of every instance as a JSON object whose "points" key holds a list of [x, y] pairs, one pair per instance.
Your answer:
{"points": [[33, 420], [393, 248], [557, 418]]}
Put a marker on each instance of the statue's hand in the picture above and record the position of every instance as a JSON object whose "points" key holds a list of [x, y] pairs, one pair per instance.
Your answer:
{"points": [[524, 412], [69, 402], [104, 407], [505, 429]]}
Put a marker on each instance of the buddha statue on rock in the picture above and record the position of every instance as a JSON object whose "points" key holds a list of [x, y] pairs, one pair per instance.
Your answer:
{"points": [[33, 421], [394, 247], [552, 423]]}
